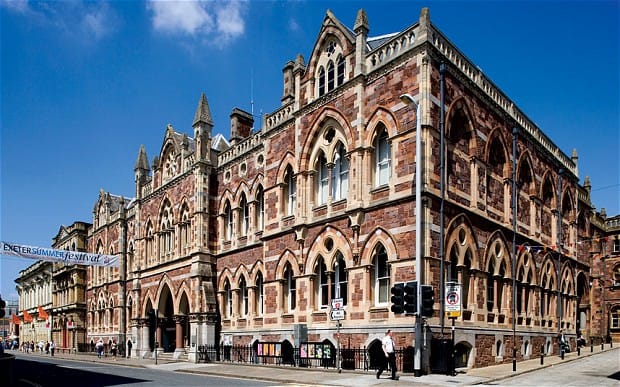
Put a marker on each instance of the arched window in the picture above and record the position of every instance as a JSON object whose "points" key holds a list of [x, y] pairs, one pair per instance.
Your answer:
{"points": [[381, 276], [290, 291], [245, 216], [330, 76], [166, 231], [321, 81], [150, 242], [322, 180], [260, 209], [340, 174], [339, 285], [290, 191], [229, 221], [227, 301], [184, 227], [322, 284], [340, 76], [243, 295], [383, 156], [259, 295]]}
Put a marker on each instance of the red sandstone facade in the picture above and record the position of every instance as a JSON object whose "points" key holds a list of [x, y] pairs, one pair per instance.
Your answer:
{"points": [[246, 240]]}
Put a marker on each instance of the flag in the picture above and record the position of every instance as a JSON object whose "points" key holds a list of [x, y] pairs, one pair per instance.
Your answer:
{"points": [[16, 320], [42, 313], [27, 316]]}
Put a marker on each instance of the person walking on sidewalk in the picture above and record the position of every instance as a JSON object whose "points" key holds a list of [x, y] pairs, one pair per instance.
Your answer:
{"points": [[390, 355], [52, 347]]}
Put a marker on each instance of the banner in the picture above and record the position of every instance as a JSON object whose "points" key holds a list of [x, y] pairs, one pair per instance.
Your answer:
{"points": [[27, 316], [16, 320], [42, 313], [64, 256]]}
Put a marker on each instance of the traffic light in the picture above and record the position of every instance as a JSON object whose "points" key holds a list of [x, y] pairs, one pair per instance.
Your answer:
{"points": [[428, 300], [398, 298], [2, 306], [411, 297]]}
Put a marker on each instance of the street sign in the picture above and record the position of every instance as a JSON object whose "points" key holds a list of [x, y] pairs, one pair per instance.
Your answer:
{"points": [[452, 301], [337, 314], [337, 303]]}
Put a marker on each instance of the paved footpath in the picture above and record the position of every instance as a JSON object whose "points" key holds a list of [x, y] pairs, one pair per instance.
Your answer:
{"points": [[315, 377]]}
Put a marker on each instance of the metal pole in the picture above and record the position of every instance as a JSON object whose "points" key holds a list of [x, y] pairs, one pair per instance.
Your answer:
{"points": [[559, 244], [442, 178], [408, 99], [338, 343], [514, 250]]}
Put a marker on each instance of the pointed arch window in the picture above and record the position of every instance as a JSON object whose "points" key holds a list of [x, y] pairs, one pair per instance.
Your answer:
{"points": [[228, 226], [330, 76], [491, 282], [227, 301], [340, 283], [245, 216], [381, 276], [259, 295], [322, 284], [340, 174], [383, 155], [184, 227], [243, 295], [321, 81], [322, 180], [260, 210], [290, 191], [150, 254], [290, 291], [340, 77]]}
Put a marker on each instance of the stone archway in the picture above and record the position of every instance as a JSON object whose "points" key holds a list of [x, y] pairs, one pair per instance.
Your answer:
{"points": [[166, 328]]}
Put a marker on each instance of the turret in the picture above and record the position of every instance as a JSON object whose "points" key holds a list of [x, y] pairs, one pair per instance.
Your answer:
{"points": [[361, 30], [141, 170], [289, 83], [202, 125]]}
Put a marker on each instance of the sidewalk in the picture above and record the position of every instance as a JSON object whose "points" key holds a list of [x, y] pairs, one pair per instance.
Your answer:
{"points": [[317, 376]]}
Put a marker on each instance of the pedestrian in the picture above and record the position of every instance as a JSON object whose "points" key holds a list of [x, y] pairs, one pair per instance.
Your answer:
{"points": [[92, 345], [113, 349], [129, 345], [387, 344], [52, 347], [99, 347]]}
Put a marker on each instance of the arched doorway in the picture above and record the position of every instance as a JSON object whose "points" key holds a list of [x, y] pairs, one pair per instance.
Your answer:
{"points": [[375, 355], [583, 304], [461, 354], [183, 322], [166, 330]]}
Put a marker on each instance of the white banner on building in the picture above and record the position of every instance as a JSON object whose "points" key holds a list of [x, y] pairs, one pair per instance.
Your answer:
{"points": [[64, 256]]}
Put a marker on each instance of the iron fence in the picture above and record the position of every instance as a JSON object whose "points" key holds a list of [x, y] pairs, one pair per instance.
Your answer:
{"points": [[351, 358]]}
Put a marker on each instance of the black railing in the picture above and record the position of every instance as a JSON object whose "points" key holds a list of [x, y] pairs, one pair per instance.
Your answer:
{"points": [[351, 358]]}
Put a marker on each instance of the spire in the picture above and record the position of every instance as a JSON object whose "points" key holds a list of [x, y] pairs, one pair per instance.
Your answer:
{"points": [[361, 22], [203, 113], [142, 162]]}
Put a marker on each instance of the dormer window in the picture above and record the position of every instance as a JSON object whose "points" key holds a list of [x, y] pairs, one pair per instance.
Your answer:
{"points": [[331, 68]]}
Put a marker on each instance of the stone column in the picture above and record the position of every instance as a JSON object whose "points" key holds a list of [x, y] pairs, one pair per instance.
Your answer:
{"points": [[179, 348]]}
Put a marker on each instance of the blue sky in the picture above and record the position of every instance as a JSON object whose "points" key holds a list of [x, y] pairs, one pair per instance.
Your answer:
{"points": [[84, 84]]}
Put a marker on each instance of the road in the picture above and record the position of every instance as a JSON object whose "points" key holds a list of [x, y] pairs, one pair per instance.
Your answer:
{"points": [[34, 372], [600, 370]]}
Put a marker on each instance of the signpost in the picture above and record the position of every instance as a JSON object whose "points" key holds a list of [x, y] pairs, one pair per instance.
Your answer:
{"points": [[452, 305], [337, 314]]}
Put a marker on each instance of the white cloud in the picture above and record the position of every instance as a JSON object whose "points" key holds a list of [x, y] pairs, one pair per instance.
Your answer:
{"points": [[215, 22], [85, 21]]}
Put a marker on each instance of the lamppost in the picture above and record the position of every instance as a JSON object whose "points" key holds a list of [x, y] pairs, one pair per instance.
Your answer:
{"points": [[408, 99]]}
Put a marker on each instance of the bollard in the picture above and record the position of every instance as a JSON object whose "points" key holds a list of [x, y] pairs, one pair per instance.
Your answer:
{"points": [[602, 345], [591, 346], [542, 354], [578, 351], [562, 353]]}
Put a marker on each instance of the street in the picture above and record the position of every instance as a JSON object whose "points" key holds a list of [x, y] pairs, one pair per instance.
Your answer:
{"points": [[47, 371], [600, 370]]}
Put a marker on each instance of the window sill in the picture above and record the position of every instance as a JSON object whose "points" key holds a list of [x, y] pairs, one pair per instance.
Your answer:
{"points": [[380, 188]]}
